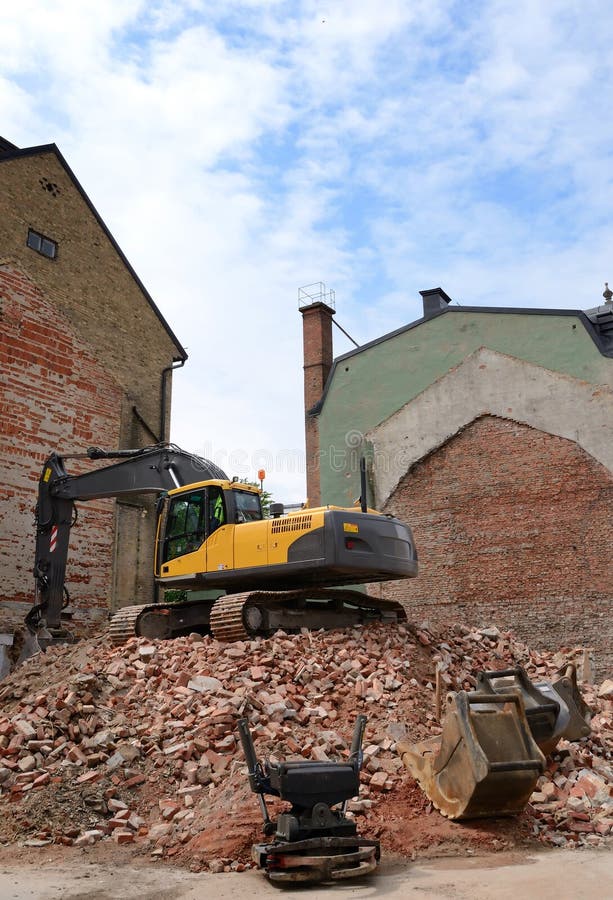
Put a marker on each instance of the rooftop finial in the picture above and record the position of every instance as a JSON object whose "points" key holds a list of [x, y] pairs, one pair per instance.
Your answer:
{"points": [[607, 294]]}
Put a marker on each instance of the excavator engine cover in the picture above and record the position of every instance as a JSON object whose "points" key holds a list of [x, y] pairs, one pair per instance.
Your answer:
{"points": [[485, 763]]}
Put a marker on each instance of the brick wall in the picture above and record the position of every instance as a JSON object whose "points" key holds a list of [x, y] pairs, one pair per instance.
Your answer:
{"points": [[88, 281], [93, 294], [513, 526], [55, 394]]}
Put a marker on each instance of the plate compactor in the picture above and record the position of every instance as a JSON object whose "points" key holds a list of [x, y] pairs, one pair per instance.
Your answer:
{"points": [[315, 841]]}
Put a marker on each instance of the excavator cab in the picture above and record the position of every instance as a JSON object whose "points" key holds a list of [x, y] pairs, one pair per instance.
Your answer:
{"points": [[188, 519]]}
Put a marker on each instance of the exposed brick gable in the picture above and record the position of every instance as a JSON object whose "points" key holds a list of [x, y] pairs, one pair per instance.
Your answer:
{"points": [[513, 527]]}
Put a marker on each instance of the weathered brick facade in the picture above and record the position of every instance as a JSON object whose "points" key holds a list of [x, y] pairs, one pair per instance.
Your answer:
{"points": [[90, 281], [53, 387], [512, 528], [86, 301]]}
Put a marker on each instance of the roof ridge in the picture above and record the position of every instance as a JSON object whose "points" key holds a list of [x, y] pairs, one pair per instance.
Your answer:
{"points": [[53, 148]]}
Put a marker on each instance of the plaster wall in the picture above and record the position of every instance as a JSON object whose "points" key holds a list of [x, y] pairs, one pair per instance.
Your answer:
{"points": [[491, 383], [369, 386]]}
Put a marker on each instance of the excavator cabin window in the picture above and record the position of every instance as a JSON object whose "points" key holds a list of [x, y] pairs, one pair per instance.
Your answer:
{"points": [[248, 506], [191, 519], [217, 510]]}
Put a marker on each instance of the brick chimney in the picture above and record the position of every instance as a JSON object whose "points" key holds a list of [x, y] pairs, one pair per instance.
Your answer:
{"points": [[317, 338]]}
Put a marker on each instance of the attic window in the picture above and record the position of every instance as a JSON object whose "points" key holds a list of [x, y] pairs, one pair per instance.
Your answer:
{"points": [[41, 244]]}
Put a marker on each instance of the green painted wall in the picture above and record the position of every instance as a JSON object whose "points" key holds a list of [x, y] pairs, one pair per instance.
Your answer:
{"points": [[371, 385]]}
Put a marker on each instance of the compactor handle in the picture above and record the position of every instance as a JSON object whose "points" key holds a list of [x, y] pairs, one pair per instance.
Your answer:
{"points": [[258, 784]]}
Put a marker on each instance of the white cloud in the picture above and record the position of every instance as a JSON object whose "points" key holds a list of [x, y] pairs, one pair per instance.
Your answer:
{"points": [[242, 149]]}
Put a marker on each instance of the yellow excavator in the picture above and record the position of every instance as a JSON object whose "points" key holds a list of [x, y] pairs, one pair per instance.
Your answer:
{"points": [[289, 571]]}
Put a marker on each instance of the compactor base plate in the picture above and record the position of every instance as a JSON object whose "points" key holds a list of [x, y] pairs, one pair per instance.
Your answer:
{"points": [[317, 860]]}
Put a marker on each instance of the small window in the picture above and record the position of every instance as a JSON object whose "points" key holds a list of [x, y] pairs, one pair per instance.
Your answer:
{"points": [[41, 244], [217, 512]]}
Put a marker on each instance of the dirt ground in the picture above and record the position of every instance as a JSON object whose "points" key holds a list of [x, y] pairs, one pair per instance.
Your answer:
{"points": [[546, 875]]}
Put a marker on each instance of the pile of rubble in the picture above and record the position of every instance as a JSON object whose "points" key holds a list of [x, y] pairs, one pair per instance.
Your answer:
{"points": [[137, 744]]}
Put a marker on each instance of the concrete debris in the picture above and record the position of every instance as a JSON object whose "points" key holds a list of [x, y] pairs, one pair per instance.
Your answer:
{"points": [[136, 744], [606, 689]]}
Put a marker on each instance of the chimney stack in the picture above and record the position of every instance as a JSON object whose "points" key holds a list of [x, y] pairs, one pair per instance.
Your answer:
{"points": [[318, 359], [434, 300]]}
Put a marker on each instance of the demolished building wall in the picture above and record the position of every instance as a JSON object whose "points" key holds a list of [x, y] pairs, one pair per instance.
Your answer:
{"points": [[490, 431], [49, 373]]}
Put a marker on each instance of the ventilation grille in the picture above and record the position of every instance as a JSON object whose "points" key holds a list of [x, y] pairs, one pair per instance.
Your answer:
{"points": [[294, 523]]}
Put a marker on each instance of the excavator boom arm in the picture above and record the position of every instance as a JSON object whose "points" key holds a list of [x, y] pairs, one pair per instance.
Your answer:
{"points": [[149, 470]]}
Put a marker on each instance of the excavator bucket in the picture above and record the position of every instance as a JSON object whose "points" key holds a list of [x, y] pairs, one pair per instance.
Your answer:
{"points": [[553, 711], [546, 715], [485, 763], [31, 641], [580, 714]]}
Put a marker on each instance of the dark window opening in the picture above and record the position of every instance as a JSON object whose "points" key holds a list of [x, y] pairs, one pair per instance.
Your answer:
{"points": [[191, 519], [41, 244]]}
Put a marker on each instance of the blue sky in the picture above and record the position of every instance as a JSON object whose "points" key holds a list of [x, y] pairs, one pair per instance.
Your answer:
{"points": [[240, 150]]}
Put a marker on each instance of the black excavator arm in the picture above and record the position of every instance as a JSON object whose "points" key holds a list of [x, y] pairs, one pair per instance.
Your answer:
{"points": [[148, 470]]}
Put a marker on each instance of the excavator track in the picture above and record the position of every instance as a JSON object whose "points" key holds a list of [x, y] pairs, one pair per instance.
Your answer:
{"points": [[239, 616], [123, 624], [227, 617], [236, 617], [160, 621]]}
